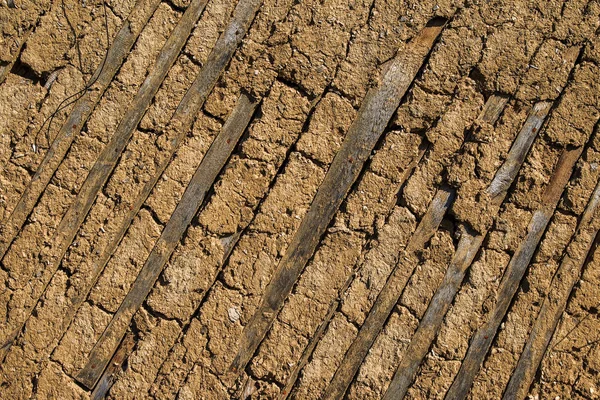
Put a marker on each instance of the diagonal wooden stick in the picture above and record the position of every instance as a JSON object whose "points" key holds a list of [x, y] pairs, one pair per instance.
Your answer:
{"points": [[392, 290], [554, 305], [482, 340], [100, 172], [82, 110], [468, 247], [444, 199], [108, 377], [373, 117], [180, 124], [192, 199], [388, 297]]}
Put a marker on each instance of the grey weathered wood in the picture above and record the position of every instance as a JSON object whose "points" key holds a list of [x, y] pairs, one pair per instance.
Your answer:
{"points": [[192, 199], [508, 171], [107, 160], [554, 305], [104, 74], [468, 247], [122, 44], [104, 165], [482, 339], [314, 340], [373, 117], [493, 108]]}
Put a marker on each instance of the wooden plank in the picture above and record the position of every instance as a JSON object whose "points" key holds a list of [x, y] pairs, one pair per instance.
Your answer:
{"points": [[109, 157], [103, 76], [105, 73], [334, 305], [375, 112], [493, 108], [440, 203], [554, 305], [468, 247], [392, 290], [116, 364], [192, 199], [482, 339], [389, 295], [181, 123], [508, 171], [5, 68]]}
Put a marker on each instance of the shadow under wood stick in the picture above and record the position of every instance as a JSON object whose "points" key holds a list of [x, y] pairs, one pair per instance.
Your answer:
{"points": [[482, 339], [192, 199], [373, 117], [442, 197], [5, 69], [119, 50], [392, 290], [468, 247], [553, 306]]}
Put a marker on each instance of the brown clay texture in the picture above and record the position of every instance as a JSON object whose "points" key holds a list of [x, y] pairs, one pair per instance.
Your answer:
{"points": [[299, 199]]}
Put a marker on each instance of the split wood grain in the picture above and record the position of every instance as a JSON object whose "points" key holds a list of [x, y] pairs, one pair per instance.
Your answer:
{"points": [[389, 295], [116, 363]]}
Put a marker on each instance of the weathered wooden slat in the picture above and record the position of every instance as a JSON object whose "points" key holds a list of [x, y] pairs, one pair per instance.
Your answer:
{"points": [[120, 48], [181, 123], [334, 305], [107, 161], [192, 199], [389, 295], [493, 108], [116, 363], [109, 157], [392, 290], [508, 171], [373, 117], [230, 242], [117, 53], [482, 339], [468, 247], [554, 305], [314, 340]]}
